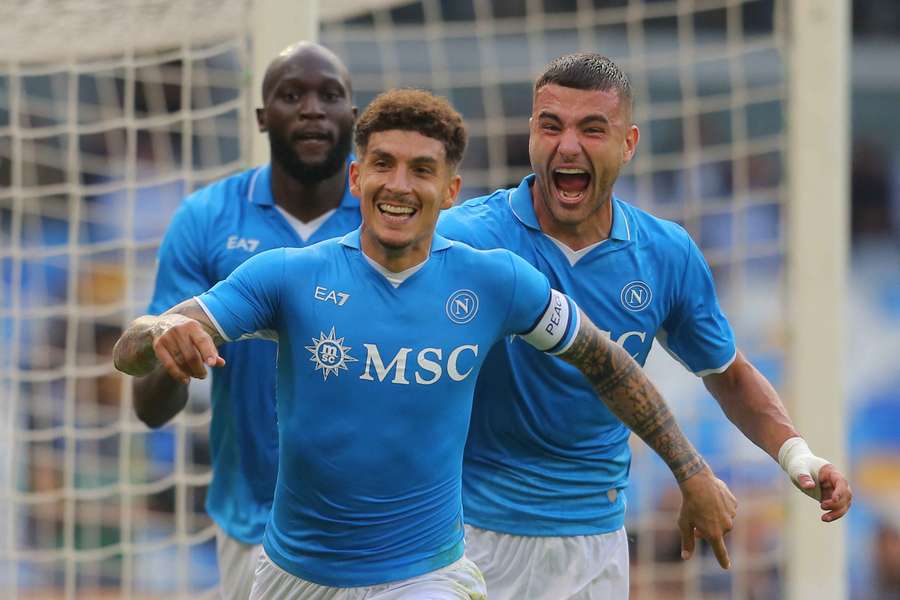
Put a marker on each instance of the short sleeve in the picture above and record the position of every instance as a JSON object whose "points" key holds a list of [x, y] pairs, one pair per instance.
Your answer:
{"points": [[246, 303], [696, 332], [181, 271], [543, 317]]}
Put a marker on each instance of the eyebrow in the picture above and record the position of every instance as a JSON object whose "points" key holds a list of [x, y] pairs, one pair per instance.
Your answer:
{"points": [[326, 81], [546, 114], [414, 160]]}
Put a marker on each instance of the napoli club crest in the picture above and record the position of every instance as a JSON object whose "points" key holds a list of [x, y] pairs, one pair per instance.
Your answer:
{"points": [[636, 296]]}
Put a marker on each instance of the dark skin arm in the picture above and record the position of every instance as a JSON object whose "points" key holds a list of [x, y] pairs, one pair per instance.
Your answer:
{"points": [[157, 398], [708, 506], [752, 404]]}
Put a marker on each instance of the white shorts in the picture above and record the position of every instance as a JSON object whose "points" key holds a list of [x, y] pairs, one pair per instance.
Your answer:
{"points": [[237, 565], [458, 581], [578, 567]]}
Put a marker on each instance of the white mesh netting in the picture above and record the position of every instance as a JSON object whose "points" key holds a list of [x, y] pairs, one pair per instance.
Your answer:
{"points": [[110, 112]]}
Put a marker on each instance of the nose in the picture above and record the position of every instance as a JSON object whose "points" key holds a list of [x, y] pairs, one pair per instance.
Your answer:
{"points": [[569, 145], [399, 182], [310, 107]]}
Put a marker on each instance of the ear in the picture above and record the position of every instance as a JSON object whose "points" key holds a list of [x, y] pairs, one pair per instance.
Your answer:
{"points": [[261, 120], [631, 141], [355, 188], [452, 192]]}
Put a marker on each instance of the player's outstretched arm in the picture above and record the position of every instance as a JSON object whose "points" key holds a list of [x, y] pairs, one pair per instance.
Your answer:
{"points": [[183, 340], [752, 404], [158, 397], [708, 505]]}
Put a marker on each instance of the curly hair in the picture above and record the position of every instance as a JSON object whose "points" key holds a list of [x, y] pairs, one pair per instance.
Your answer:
{"points": [[414, 110]]}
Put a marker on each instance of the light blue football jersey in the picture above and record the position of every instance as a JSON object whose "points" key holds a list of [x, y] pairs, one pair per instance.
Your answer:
{"points": [[375, 387], [540, 456], [214, 230]]}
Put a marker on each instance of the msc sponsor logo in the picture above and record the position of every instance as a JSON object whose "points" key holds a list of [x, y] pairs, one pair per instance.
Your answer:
{"points": [[461, 307], [641, 336], [429, 368], [636, 296], [424, 367], [238, 243], [330, 354]]}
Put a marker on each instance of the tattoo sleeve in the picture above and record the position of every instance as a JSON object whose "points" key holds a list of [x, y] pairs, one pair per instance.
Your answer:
{"points": [[628, 393], [133, 353]]}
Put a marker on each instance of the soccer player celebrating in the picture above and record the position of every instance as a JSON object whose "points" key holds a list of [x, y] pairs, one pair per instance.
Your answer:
{"points": [[381, 336], [545, 471], [301, 197]]}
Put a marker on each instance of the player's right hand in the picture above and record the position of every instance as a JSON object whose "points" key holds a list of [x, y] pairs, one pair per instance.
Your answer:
{"points": [[708, 509], [184, 348]]}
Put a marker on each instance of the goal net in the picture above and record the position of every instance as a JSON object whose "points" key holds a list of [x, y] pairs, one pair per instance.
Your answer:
{"points": [[709, 87], [110, 112]]}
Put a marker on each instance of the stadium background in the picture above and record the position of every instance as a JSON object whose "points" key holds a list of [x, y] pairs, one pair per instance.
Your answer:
{"points": [[97, 148]]}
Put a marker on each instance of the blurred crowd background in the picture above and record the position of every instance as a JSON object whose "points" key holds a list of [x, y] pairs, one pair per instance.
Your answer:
{"points": [[93, 256]]}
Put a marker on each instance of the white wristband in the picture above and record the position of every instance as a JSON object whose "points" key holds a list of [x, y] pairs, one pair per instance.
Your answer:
{"points": [[796, 459]]}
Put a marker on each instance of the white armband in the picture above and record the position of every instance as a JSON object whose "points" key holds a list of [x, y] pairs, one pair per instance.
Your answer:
{"points": [[796, 459], [555, 330]]}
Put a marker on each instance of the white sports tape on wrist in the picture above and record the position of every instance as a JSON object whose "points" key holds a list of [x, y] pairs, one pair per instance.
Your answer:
{"points": [[796, 459]]}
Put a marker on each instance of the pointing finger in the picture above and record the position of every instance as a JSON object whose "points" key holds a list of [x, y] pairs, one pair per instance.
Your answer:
{"points": [[721, 552]]}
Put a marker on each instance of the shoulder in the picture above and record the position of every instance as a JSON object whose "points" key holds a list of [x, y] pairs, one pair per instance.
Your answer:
{"points": [[326, 251], [496, 264], [492, 207], [660, 236], [221, 195], [478, 220]]}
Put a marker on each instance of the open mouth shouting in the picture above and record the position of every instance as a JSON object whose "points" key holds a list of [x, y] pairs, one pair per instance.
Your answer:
{"points": [[571, 184]]}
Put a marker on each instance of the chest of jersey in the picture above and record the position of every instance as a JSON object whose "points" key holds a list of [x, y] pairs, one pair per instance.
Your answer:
{"points": [[364, 333], [622, 294], [255, 229]]}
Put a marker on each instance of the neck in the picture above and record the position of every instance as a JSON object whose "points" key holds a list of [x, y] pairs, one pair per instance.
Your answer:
{"points": [[576, 234], [306, 201], [394, 259]]}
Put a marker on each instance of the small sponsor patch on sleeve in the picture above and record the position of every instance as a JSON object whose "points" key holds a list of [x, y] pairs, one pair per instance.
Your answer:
{"points": [[556, 328]]}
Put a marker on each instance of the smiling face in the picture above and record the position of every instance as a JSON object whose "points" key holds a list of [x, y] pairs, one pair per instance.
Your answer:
{"points": [[308, 113], [578, 142], [403, 180]]}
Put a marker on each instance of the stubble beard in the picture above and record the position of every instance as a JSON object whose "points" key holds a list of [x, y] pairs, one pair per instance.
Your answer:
{"points": [[284, 154]]}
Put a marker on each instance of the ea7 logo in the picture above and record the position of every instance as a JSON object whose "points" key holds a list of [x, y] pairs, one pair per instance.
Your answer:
{"points": [[238, 243], [326, 295]]}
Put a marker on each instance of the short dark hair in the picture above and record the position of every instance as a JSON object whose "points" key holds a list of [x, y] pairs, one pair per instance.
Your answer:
{"points": [[586, 71], [414, 110]]}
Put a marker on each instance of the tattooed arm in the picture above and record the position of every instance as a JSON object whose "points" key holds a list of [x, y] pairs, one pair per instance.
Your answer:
{"points": [[619, 381], [182, 340]]}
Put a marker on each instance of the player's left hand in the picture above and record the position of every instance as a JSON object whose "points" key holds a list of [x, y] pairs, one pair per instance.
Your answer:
{"points": [[832, 489], [708, 510]]}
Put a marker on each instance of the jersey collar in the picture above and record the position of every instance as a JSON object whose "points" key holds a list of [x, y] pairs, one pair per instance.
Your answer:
{"points": [[438, 242], [522, 206], [260, 188]]}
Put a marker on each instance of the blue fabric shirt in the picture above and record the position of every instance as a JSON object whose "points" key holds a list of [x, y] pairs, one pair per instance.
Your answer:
{"points": [[375, 387], [540, 455], [214, 230]]}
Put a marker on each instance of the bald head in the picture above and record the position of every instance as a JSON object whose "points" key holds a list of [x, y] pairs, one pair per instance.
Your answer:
{"points": [[304, 55], [307, 112]]}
